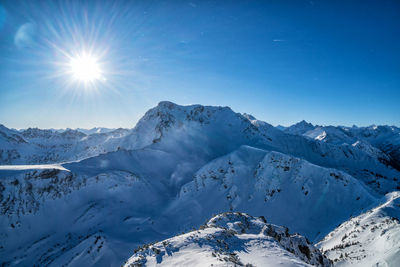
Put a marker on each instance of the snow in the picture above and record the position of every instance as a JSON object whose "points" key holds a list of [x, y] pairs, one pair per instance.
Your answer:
{"points": [[90, 199], [231, 239], [32, 167], [370, 239], [36, 146], [280, 187], [97, 130], [299, 128]]}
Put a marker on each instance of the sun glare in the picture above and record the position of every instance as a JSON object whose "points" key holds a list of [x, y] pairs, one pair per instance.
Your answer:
{"points": [[85, 68]]}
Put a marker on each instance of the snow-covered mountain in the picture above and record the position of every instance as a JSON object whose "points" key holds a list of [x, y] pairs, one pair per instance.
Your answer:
{"points": [[280, 187], [176, 168], [94, 130], [232, 239], [383, 141], [37, 146], [211, 132], [298, 128], [215, 131]]}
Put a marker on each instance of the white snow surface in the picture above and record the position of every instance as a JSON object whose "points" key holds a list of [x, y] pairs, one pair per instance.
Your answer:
{"points": [[370, 239], [231, 239], [90, 199], [280, 187], [32, 167]]}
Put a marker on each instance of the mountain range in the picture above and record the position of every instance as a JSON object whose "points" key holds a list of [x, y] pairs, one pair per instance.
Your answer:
{"points": [[327, 195]]}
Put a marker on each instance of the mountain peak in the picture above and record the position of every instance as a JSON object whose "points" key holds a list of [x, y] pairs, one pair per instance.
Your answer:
{"points": [[300, 127], [167, 104], [304, 122]]}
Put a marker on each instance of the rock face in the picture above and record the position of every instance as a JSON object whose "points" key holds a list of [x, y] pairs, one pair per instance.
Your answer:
{"points": [[233, 239]]}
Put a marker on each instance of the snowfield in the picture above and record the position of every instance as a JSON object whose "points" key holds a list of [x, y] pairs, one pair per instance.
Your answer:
{"points": [[85, 198]]}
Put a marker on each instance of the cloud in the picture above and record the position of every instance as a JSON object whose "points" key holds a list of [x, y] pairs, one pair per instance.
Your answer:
{"points": [[25, 35]]}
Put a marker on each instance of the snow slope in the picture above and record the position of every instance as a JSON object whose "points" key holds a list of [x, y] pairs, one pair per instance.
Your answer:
{"points": [[231, 239], [371, 239], [280, 187], [56, 218]]}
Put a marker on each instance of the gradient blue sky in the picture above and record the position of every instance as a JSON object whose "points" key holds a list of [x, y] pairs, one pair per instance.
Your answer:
{"points": [[335, 62]]}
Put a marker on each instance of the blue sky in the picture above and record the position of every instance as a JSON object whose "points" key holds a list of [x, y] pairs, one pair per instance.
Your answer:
{"points": [[333, 62]]}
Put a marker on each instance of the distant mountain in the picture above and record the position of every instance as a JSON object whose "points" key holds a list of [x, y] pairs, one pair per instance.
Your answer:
{"points": [[108, 193], [37, 146], [97, 130], [280, 127], [383, 140], [299, 128]]}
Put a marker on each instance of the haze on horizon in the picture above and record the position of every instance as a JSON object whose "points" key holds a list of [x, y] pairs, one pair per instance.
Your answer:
{"points": [[281, 61]]}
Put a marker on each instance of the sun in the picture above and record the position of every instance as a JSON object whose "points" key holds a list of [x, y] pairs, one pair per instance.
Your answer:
{"points": [[85, 68]]}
